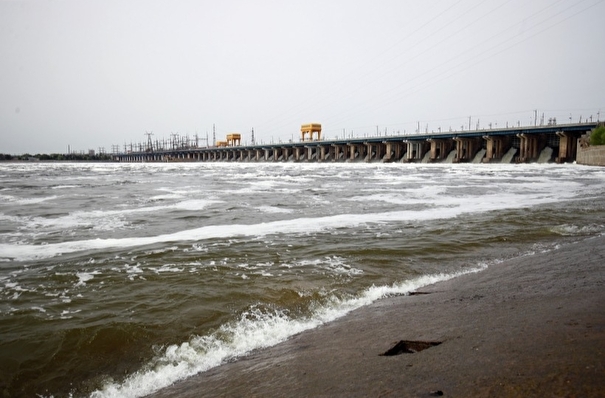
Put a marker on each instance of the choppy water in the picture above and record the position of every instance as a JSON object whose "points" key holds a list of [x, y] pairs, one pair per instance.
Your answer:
{"points": [[119, 279]]}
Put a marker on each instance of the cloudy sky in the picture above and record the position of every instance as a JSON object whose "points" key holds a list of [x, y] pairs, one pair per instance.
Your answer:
{"points": [[91, 74]]}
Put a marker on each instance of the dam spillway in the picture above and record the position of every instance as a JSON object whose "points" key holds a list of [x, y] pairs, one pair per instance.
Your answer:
{"points": [[558, 143]]}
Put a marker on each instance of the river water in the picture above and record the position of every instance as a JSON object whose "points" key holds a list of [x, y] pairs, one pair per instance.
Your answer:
{"points": [[119, 279]]}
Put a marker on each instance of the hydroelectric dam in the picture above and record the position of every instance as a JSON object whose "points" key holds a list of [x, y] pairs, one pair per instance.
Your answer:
{"points": [[546, 143]]}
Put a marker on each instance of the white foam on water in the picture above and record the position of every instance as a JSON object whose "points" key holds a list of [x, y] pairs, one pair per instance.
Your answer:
{"points": [[15, 287], [253, 330], [403, 198], [85, 277], [108, 220], [252, 190], [7, 198], [193, 204], [339, 267], [168, 196], [334, 265], [273, 209], [13, 219], [65, 186], [25, 201], [451, 207], [98, 220], [574, 230], [167, 268], [199, 248], [133, 269], [66, 314], [163, 250]]}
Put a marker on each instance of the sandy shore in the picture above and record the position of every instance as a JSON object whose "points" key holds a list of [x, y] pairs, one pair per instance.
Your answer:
{"points": [[529, 327]]}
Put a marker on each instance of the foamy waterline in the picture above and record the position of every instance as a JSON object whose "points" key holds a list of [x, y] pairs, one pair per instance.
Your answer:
{"points": [[253, 330], [24, 252]]}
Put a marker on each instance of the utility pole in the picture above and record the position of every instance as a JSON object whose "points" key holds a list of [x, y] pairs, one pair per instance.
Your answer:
{"points": [[535, 117], [213, 135], [149, 142], [253, 140]]}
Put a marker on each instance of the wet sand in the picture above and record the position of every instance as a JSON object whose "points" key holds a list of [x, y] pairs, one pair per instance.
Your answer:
{"points": [[529, 327]]}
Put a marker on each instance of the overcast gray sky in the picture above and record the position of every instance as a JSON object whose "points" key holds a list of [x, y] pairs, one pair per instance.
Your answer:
{"points": [[97, 73]]}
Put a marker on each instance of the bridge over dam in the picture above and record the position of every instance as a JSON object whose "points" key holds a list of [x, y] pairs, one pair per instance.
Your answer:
{"points": [[550, 143]]}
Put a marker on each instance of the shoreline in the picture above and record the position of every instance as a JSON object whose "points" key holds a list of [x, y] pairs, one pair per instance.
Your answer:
{"points": [[529, 326]]}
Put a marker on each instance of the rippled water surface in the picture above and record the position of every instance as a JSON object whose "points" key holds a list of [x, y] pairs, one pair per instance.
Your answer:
{"points": [[118, 279]]}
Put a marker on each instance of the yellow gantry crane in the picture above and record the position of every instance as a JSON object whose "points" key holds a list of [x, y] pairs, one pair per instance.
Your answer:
{"points": [[233, 139], [310, 129]]}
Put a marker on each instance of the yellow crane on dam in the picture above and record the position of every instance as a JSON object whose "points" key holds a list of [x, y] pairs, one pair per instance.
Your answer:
{"points": [[310, 129], [232, 139]]}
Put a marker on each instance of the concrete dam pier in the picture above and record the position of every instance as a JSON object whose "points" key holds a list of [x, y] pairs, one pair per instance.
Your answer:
{"points": [[551, 143]]}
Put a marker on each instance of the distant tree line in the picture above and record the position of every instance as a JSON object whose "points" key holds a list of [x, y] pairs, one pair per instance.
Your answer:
{"points": [[57, 157]]}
